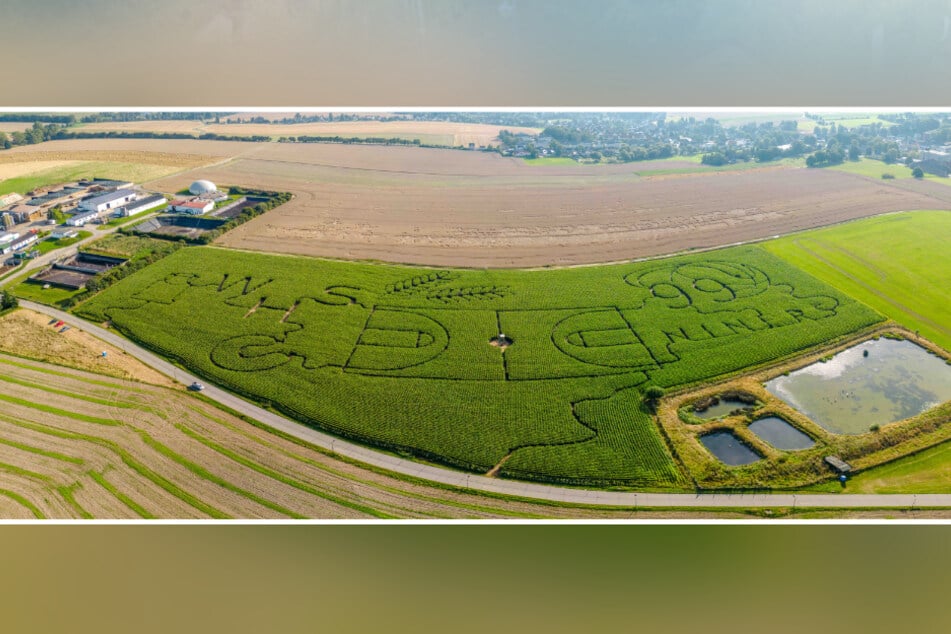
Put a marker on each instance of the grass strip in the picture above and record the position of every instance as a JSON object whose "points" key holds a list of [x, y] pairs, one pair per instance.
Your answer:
{"points": [[67, 493], [207, 475], [100, 479], [42, 452], [60, 412], [130, 462], [25, 366], [52, 390], [276, 475], [25, 502]]}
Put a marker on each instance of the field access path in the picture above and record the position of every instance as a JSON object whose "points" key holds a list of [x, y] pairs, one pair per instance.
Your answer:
{"points": [[497, 486]]}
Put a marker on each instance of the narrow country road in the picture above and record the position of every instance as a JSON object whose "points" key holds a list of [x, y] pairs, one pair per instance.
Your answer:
{"points": [[493, 485]]}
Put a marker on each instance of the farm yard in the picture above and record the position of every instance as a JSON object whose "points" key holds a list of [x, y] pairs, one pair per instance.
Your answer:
{"points": [[562, 403]]}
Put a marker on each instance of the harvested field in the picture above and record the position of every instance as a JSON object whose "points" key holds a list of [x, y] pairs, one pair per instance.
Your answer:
{"points": [[29, 334], [432, 132], [454, 208], [13, 170], [155, 151]]}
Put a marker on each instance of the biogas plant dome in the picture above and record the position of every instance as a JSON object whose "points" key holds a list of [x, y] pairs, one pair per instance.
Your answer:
{"points": [[202, 187]]}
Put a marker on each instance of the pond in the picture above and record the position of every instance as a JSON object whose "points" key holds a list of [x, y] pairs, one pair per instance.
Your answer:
{"points": [[724, 407], [781, 434], [851, 392], [728, 448]]}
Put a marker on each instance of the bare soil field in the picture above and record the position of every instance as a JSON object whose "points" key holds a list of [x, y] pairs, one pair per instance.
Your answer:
{"points": [[451, 207], [435, 132], [442, 207]]}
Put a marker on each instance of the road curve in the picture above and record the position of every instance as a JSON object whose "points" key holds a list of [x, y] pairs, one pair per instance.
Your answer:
{"points": [[494, 485]]}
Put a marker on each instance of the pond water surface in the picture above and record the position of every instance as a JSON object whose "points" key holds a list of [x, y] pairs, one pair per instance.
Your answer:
{"points": [[851, 392], [728, 448], [724, 407], [781, 434]]}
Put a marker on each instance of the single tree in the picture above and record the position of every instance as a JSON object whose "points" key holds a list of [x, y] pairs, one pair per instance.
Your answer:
{"points": [[918, 173], [652, 396]]}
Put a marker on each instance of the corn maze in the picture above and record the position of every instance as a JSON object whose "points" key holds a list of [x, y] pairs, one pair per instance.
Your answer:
{"points": [[402, 358]]}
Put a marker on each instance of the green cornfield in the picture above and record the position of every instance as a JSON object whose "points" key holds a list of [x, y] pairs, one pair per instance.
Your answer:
{"points": [[401, 358]]}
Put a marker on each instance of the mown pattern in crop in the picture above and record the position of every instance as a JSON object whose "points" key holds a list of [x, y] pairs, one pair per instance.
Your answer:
{"points": [[400, 357]]}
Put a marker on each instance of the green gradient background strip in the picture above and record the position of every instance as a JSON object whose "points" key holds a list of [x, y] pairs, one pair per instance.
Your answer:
{"points": [[474, 579]]}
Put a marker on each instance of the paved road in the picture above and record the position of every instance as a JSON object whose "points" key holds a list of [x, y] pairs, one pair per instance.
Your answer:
{"points": [[493, 485]]}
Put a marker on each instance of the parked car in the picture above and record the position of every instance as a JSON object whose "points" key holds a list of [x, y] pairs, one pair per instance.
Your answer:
{"points": [[196, 387]]}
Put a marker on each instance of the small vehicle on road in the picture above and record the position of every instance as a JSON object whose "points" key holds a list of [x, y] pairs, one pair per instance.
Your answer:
{"points": [[196, 387]]}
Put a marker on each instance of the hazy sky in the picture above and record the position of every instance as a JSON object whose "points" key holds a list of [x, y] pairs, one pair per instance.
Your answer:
{"points": [[456, 52]]}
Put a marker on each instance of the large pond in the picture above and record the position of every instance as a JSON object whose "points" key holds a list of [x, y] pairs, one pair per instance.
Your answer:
{"points": [[728, 448], [852, 391], [780, 434]]}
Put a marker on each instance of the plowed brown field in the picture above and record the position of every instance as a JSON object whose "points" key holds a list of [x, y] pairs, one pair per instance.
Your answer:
{"points": [[441, 207], [451, 207]]}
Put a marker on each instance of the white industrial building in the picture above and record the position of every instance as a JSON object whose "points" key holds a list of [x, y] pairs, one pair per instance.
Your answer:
{"points": [[142, 204], [105, 202], [24, 242], [7, 240], [194, 206], [82, 218]]}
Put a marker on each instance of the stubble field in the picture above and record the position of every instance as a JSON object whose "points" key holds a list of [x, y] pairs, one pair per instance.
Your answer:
{"points": [[457, 208], [428, 132]]}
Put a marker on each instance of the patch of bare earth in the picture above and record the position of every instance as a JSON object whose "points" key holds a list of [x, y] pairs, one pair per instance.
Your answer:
{"points": [[29, 334]]}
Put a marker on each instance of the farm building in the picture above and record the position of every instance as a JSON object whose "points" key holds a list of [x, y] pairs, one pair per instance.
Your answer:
{"points": [[104, 185], [82, 218], [105, 202], [27, 213], [202, 187], [64, 196], [58, 234], [25, 241], [8, 220], [6, 242], [9, 199], [142, 204], [194, 207]]}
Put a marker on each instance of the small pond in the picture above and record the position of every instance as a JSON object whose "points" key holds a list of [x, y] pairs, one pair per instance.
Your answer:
{"points": [[724, 407], [728, 448], [781, 434], [851, 392]]}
